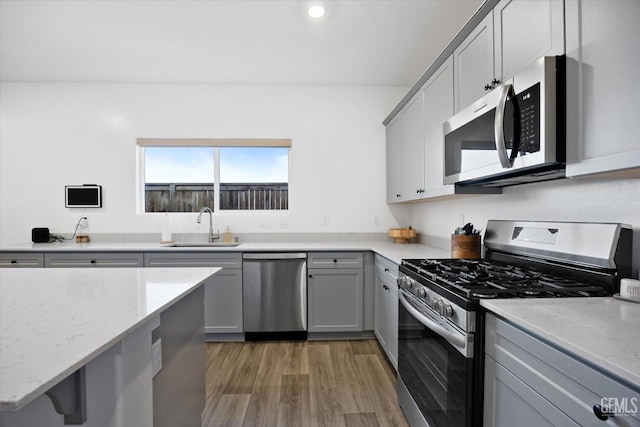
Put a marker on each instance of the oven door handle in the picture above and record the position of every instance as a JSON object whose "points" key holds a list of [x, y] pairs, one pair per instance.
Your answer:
{"points": [[457, 340]]}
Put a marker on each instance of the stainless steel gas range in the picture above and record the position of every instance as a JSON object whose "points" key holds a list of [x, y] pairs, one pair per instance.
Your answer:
{"points": [[441, 322]]}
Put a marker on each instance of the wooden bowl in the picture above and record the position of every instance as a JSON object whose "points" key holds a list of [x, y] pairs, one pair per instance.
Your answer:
{"points": [[402, 235]]}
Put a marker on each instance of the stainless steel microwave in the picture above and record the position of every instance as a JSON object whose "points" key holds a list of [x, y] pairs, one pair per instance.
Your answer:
{"points": [[513, 135]]}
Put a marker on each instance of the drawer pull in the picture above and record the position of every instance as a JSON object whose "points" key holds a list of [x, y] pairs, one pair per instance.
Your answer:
{"points": [[13, 261], [335, 260], [604, 416], [93, 261]]}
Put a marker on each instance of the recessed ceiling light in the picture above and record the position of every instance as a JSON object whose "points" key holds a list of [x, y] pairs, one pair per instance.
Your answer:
{"points": [[316, 11]]}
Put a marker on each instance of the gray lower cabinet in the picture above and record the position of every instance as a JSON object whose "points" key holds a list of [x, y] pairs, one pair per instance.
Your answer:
{"points": [[529, 382], [386, 307], [92, 259], [335, 292], [21, 260], [179, 387], [223, 292]]}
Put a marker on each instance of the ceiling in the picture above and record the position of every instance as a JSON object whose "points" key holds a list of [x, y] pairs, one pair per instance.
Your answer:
{"points": [[358, 42]]}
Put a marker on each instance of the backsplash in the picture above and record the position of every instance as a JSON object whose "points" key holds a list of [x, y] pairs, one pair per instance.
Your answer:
{"points": [[576, 200]]}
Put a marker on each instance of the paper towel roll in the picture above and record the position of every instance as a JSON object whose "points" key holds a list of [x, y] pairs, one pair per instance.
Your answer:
{"points": [[166, 230]]}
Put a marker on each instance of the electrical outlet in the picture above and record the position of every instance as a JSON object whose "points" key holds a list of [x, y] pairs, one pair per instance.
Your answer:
{"points": [[376, 221], [325, 220], [282, 225], [156, 357]]}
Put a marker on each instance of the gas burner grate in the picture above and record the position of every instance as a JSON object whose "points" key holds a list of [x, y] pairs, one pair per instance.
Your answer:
{"points": [[483, 279]]}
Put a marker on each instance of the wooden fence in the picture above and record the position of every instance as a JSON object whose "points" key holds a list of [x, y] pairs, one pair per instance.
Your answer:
{"points": [[192, 197]]}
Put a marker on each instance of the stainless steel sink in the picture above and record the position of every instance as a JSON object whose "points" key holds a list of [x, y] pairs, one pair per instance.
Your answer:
{"points": [[202, 245]]}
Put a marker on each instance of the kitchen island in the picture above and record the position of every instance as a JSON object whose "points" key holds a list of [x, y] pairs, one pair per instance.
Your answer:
{"points": [[82, 340]]}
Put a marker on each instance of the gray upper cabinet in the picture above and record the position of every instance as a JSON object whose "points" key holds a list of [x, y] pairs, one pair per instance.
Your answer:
{"points": [[415, 141], [412, 178], [394, 163], [602, 37], [437, 95], [525, 30], [513, 35], [405, 144], [473, 64]]}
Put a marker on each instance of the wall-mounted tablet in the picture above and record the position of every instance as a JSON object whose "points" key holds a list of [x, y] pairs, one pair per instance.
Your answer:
{"points": [[83, 196]]}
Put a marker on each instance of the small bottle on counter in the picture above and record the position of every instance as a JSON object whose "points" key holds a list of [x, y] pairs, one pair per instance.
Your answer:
{"points": [[166, 230], [227, 236]]}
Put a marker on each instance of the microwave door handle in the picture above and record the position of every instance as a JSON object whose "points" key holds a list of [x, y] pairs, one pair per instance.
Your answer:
{"points": [[506, 90], [456, 340]]}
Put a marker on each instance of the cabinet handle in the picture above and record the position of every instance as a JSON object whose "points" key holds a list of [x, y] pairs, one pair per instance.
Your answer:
{"points": [[93, 261], [386, 270], [604, 416], [397, 195], [488, 87], [310, 276], [494, 82], [335, 260], [13, 261]]}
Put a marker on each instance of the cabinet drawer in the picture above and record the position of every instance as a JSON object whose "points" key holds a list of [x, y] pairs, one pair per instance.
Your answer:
{"points": [[93, 259], [193, 259], [566, 382], [386, 268], [21, 260], [335, 260]]}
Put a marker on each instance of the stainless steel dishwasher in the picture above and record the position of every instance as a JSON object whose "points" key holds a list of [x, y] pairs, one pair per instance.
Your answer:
{"points": [[274, 287]]}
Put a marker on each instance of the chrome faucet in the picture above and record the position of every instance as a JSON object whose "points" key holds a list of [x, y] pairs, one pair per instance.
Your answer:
{"points": [[212, 236]]}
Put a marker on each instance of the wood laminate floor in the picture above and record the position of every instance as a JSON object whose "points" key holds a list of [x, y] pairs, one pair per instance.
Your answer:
{"points": [[296, 384]]}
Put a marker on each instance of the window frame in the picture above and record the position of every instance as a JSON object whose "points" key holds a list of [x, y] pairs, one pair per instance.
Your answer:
{"points": [[215, 143]]}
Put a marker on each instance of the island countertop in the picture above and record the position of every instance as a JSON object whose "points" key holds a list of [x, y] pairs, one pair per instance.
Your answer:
{"points": [[54, 321], [602, 331]]}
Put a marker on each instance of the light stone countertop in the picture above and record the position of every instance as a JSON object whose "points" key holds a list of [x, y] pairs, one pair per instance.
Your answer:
{"points": [[54, 321], [392, 251], [603, 331]]}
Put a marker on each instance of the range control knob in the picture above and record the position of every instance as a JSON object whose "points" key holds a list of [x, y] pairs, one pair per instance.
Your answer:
{"points": [[447, 311], [422, 293], [437, 305]]}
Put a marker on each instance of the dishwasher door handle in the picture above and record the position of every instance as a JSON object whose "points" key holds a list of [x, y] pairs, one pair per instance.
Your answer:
{"points": [[274, 255]]}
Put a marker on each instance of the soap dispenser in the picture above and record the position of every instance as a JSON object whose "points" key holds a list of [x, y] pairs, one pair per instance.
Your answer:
{"points": [[227, 236]]}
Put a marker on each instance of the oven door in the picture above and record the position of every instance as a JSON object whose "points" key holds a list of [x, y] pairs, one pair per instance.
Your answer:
{"points": [[435, 367]]}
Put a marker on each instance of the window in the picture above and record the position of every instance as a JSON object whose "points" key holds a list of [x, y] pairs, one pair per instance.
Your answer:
{"points": [[186, 175]]}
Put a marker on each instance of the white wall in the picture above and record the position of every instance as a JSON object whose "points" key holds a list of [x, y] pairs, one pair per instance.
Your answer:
{"points": [[583, 199], [57, 134]]}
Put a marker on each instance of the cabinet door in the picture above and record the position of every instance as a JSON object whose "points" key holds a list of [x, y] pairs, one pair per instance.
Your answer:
{"points": [[335, 300], [392, 307], [381, 329], [601, 39], [438, 108], [473, 64], [223, 302], [93, 259], [525, 30], [411, 164], [508, 402], [394, 150]]}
